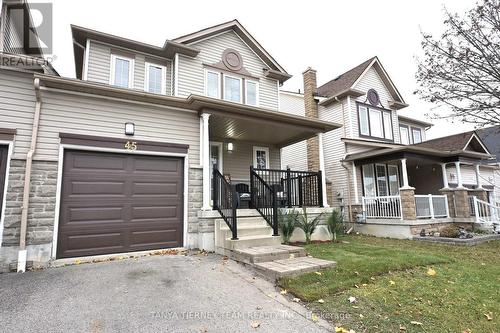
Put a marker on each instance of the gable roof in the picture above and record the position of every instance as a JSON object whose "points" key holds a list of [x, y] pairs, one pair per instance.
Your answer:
{"points": [[455, 142], [346, 83], [236, 26], [491, 139]]}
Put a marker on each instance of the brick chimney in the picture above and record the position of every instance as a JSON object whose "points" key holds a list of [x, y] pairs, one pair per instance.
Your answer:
{"points": [[311, 110]]}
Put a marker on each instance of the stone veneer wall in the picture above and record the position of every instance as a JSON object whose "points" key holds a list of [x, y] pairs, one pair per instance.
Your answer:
{"points": [[195, 202], [41, 212], [408, 203]]}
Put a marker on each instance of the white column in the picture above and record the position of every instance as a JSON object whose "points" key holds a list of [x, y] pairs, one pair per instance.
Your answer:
{"points": [[355, 182], [459, 174], [405, 174], [445, 176], [205, 144], [478, 177], [322, 168]]}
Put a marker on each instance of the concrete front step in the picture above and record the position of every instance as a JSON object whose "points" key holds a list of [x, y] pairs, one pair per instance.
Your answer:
{"points": [[293, 266], [259, 254], [247, 230], [251, 241], [246, 221]]}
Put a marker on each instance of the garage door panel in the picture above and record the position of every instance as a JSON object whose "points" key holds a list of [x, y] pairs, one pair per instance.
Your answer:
{"points": [[139, 207]]}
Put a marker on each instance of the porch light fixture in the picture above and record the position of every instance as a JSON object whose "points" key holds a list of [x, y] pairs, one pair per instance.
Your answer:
{"points": [[230, 146], [129, 128]]}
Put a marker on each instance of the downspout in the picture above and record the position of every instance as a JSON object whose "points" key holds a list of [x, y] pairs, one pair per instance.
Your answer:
{"points": [[21, 261], [349, 202]]}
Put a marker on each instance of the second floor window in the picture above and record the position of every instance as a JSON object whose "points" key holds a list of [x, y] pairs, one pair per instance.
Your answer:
{"points": [[417, 135], [251, 92], [122, 69], [232, 89], [405, 135], [375, 123], [155, 79]]}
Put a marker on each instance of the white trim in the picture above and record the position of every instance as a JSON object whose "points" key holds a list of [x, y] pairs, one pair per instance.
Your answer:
{"points": [[201, 141], [130, 70], [205, 84], [163, 69], [86, 61], [206, 162], [62, 147], [355, 181], [129, 50], [257, 95], [10, 150], [221, 154], [349, 117], [478, 140], [224, 87], [266, 149], [321, 157], [176, 75]]}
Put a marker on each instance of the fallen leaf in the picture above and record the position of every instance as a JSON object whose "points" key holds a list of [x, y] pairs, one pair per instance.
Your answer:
{"points": [[78, 262], [402, 328], [255, 324], [392, 282], [321, 301], [372, 278], [318, 273], [352, 299], [489, 316], [416, 323], [431, 272], [356, 286], [361, 316], [283, 292], [258, 308], [314, 317], [355, 272], [296, 300]]}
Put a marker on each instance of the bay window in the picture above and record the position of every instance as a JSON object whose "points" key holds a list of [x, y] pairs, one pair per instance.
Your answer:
{"points": [[380, 180], [375, 122]]}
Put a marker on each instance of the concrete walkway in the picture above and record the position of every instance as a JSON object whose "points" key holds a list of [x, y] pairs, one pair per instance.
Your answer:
{"points": [[170, 293]]}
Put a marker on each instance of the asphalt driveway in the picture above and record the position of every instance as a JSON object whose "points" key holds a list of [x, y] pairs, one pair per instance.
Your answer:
{"points": [[169, 293]]}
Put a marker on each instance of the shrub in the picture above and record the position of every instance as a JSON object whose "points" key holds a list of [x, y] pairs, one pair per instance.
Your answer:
{"points": [[335, 223], [450, 232], [308, 226], [287, 221]]}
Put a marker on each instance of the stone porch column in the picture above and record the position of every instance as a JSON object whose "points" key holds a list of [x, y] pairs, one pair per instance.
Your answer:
{"points": [[407, 194], [462, 208], [205, 145]]}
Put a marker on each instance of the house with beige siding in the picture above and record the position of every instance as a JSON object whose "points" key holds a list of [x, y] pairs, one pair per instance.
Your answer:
{"points": [[383, 173], [149, 147]]}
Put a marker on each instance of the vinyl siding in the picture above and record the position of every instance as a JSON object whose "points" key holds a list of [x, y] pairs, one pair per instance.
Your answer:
{"points": [[191, 75], [293, 156], [100, 117], [17, 107], [237, 163], [469, 175], [371, 80], [99, 69]]}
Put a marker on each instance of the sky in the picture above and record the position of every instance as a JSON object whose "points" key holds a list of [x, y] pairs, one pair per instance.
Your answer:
{"points": [[329, 36]]}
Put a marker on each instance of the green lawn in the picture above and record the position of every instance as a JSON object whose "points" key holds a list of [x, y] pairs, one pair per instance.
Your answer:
{"points": [[389, 280]]}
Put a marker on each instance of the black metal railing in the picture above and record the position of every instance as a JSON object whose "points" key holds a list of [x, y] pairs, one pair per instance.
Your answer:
{"points": [[294, 188], [264, 200], [225, 201]]}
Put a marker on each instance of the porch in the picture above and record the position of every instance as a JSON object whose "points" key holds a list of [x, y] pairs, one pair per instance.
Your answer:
{"points": [[406, 189]]}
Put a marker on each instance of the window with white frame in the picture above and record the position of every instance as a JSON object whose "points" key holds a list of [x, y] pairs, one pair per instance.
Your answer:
{"points": [[375, 122], [380, 180], [155, 79], [416, 134], [261, 157], [122, 69], [212, 86], [251, 91], [405, 135], [232, 89]]}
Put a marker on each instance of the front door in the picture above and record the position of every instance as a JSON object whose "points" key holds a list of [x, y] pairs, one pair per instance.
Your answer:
{"points": [[215, 160]]}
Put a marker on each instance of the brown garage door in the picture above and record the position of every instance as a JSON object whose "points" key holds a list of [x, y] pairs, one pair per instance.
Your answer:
{"points": [[3, 168], [113, 203]]}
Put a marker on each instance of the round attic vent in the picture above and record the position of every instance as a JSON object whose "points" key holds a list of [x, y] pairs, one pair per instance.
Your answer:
{"points": [[373, 97], [232, 59]]}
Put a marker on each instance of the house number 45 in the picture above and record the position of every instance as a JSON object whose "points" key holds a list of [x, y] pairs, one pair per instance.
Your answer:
{"points": [[131, 145]]}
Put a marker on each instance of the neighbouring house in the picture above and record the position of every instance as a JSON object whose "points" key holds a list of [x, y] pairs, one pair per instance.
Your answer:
{"points": [[150, 147], [382, 170]]}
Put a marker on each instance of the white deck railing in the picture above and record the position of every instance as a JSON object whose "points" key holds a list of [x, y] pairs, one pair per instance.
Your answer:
{"points": [[486, 213], [431, 206], [386, 207]]}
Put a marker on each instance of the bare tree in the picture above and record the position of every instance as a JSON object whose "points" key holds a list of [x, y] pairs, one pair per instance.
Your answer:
{"points": [[460, 71]]}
